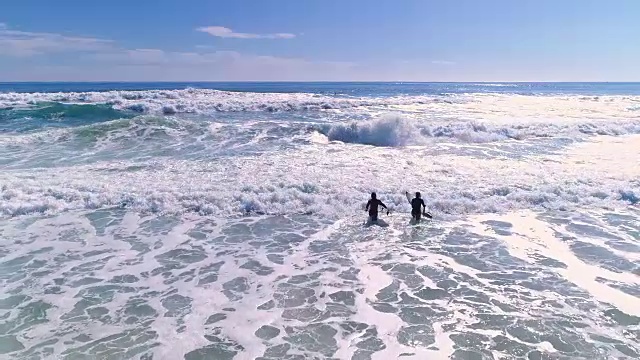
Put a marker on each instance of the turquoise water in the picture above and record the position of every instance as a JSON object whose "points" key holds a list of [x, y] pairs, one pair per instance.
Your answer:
{"points": [[230, 216]]}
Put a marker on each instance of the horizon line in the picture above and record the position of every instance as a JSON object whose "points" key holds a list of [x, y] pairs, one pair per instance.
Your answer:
{"points": [[315, 81]]}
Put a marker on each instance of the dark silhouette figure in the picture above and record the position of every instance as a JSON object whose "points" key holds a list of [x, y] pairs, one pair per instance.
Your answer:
{"points": [[372, 207], [418, 207]]}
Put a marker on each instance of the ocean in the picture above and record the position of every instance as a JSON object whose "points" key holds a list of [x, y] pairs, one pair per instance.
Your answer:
{"points": [[227, 221]]}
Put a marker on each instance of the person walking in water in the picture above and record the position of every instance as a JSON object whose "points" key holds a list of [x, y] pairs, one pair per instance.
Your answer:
{"points": [[418, 207], [372, 207]]}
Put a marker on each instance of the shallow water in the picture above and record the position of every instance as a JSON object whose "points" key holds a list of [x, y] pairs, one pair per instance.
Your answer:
{"points": [[113, 284]]}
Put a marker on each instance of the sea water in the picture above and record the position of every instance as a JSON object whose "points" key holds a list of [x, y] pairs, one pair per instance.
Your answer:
{"points": [[226, 221]]}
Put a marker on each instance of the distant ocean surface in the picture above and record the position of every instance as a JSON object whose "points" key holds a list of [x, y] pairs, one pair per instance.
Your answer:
{"points": [[226, 221], [346, 88]]}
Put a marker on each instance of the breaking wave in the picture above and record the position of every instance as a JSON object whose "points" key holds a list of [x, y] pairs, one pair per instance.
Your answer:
{"points": [[331, 182], [142, 127], [129, 187], [397, 130], [206, 101], [55, 114], [385, 131], [170, 102], [392, 130]]}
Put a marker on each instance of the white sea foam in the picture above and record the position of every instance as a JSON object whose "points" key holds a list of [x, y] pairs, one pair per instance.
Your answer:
{"points": [[511, 107], [145, 254], [198, 100], [386, 131], [400, 130], [384, 121], [334, 180], [172, 303], [390, 130], [533, 236]]}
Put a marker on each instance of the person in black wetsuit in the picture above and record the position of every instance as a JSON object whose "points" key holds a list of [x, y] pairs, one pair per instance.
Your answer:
{"points": [[372, 207], [418, 208]]}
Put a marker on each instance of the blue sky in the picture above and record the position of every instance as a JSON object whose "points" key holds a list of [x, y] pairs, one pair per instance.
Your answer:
{"points": [[307, 40]]}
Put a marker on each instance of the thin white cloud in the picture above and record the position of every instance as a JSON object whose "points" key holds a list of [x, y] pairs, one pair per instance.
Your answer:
{"points": [[159, 65], [442, 62], [157, 57], [223, 32], [222, 59], [24, 43], [96, 59]]}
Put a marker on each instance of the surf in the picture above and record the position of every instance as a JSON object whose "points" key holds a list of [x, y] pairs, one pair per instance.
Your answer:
{"points": [[236, 223]]}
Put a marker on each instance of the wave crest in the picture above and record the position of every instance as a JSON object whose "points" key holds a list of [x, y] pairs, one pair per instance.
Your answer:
{"points": [[181, 187], [478, 106], [391, 130], [396, 130], [55, 114], [198, 101]]}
